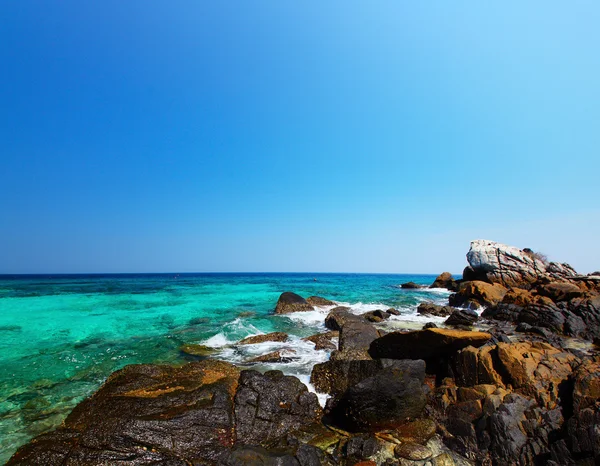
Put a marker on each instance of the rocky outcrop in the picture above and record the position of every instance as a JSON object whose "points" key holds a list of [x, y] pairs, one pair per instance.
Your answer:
{"points": [[193, 414], [445, 280], [376, 316], [462, 318], [338, 316], [512, 267], [291, 302], [411, 286], [475, 294], [425, 344], [273, 337], [355, 339]]}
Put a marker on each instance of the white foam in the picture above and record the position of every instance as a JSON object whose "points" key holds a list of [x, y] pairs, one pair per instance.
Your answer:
{"points": [[217, 341]]}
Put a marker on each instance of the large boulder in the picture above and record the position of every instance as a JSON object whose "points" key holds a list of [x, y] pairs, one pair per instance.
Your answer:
{"points": [[444, 280], [477, 294], [560, 291], [425, 344], [511, 266], [291, 302], [385, 400], [146, 414], [338, 316], [355, 339], [269, 405]]}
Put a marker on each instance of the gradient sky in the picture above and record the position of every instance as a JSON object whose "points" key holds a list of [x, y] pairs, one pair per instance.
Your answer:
{"points": [[147, 136]]}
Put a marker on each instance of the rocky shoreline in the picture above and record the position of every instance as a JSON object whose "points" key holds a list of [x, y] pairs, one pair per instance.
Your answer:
{"points": [[518, 383]]}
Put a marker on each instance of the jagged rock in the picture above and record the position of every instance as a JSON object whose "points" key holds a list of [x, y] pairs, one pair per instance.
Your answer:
{"points": [[323, 341], [146, 414], [430, 309], [274, 357], [269, 405], [477, 294], [355, 339], [376, 316], [444, 280], [318, 301], [425, 344], [385, 400], [462, 317], [291, 302], [274, 337], [512, 267], [560, 291], [338, 316]]}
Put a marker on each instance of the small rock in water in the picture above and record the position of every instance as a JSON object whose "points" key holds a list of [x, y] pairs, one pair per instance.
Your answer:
{"points": [[319, 301], [274, 336], [393, 312], [197, 350], [291, 302], [275, 356], [410, 285]]}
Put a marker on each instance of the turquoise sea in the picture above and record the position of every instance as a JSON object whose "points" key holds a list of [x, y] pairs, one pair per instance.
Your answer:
{"points": [[61, 336]]}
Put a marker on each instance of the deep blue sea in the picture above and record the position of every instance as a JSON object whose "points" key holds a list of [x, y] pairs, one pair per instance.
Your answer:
{"points": [[61, 336]]}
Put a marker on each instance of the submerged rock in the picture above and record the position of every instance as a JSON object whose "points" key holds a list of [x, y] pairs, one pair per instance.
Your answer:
{"points": [[323, 341], [274, 337], [291, 302], [197, 350]]}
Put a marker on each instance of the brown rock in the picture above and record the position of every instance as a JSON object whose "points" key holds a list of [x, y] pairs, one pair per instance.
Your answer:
{"points": [[273, 357], [518, 297], [338, 316], [444, 280], [412, 451], [560, 291], [478, 293], [274, 336], [291, 302], [323, 341], [318, 301], [430, 309], [411, 286], [197, 350], [417, 431]]}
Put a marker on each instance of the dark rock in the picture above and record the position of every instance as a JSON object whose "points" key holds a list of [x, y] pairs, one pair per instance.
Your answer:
{"points": [[291, 302], [376, 316], [429, 325], [318, 301], [338, 316], [269, 405], [274, 357], [323, 341], [393, 312], [258, 456], [411, 285], [412, 451], [424, 344], [523, 327], [274, 336], [466, 317], [430, 309], [355, 339], [146, 414], [417, 431], [385, 400], [444, 280]]}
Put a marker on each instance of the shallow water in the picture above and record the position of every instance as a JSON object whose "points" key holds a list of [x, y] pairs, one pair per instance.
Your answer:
{"points": [[60, 337]]}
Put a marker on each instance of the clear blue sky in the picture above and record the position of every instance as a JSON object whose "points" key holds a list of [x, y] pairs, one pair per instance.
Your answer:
{"points": [[145, 136]]}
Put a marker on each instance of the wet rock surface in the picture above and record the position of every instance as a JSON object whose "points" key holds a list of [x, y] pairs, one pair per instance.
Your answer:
{"points": [[274, 336], [291, 302]]}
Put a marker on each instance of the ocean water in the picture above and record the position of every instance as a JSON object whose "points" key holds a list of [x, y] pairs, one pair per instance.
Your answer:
{"points": [[61, 336]]}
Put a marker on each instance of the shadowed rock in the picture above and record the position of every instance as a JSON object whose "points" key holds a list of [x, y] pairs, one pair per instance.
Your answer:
{"points": [[444, 280], [291, 302]]}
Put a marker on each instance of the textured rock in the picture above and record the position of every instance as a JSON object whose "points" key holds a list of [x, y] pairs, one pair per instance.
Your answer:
{"points": [[477, 293], [274, 337], [291, 302], [424, 344], [197, 350], [462, 317], [269, 405], [385, 400], [444, 280], [274, 357], [430, 309], [338, 316], [319, 301], [413, 451], [511, 266], [355, 339], [560, 291], [146, 414], [323, 341], [376, 316]]}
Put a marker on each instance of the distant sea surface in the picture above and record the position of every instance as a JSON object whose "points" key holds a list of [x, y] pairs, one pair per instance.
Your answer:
{"points": [[62, 335]]}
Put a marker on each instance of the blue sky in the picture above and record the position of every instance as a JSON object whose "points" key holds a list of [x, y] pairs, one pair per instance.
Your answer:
{"points": [[149, 136]]}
